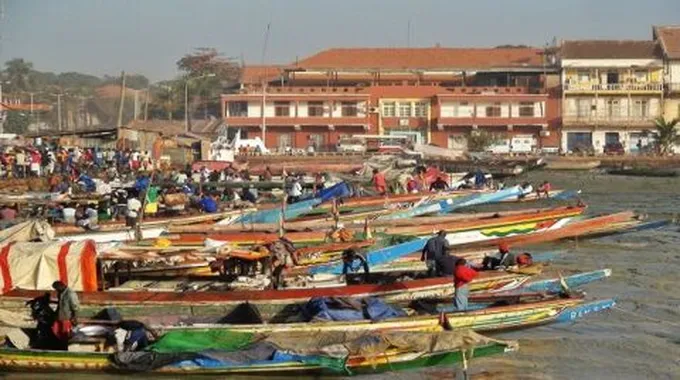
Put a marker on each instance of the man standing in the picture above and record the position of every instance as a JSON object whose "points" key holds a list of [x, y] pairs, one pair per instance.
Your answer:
{"points": [[67, 312], [462, 276], [295, 191], [434, 250]]}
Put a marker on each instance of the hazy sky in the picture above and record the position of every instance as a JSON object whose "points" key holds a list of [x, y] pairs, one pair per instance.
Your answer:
{"points": [[148, 36]]}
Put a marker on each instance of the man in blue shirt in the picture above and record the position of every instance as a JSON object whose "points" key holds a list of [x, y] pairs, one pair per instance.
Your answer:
{"points": [[208, 204]]}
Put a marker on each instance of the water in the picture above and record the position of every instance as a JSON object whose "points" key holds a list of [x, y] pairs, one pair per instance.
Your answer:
{"points": [[642, 342]]}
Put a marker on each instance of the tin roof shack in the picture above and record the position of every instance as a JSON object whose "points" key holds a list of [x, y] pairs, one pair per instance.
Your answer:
{"points": [[164, 139]]}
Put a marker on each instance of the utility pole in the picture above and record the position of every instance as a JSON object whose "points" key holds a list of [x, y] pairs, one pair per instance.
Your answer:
{"points": [[146, 104], [122, 100], [59, 121], [264, 84]]}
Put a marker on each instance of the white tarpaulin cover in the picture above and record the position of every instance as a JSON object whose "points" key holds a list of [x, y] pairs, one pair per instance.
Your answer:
{"points": [[35, 266]]}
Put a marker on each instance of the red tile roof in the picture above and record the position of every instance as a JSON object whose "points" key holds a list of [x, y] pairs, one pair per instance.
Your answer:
{"points": [[422, 58], [255, 74], [669, 37], [609, 49]]}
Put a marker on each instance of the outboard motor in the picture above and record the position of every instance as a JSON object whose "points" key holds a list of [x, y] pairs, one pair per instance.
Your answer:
{"points": [[42, 313]]}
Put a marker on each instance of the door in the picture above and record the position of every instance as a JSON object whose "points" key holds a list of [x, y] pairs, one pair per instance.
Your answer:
{"points": [[458, 142], [611, 138], [579, 140], [285, 141]]}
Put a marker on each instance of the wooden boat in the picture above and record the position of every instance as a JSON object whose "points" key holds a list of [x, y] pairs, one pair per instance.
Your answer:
{"points": [[571, 164], [451, 204], [160, 302], [114, 231], [352, 221], [644, 172], [580, 228], [484, 320], [510, 222], [445, 348]]}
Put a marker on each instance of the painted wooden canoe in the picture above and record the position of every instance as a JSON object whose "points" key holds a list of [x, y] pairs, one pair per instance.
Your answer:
{"points": [[451, 204], [394, 359], [578, 228], [491, 319], [159, 303]]}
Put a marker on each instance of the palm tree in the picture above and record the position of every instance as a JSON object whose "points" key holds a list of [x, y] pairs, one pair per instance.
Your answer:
{"points": [[666, 135]]}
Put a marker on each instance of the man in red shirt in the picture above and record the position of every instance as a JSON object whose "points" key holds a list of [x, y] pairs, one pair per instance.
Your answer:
{"points": [[379, 182], [462, 275]]}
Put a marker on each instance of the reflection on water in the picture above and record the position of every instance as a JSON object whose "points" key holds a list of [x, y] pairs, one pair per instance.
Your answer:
{"points": [[614, 345]]}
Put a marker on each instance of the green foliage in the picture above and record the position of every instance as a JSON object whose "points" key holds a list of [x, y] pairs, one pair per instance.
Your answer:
{"points": [[16, 122], [480, 141], [666, 135]]}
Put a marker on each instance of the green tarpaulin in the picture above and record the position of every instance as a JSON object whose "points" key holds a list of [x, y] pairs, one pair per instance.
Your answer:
{"points": [[201, 340]]}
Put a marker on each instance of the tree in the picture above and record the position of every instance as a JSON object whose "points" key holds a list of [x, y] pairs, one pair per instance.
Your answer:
{"points": [[17, 72], [166, 98], [667, 135], [205, 61], [16, 122], [480, 141]]}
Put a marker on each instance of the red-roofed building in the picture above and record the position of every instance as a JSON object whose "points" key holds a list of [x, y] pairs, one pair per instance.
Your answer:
{"points": [[434, 95]]}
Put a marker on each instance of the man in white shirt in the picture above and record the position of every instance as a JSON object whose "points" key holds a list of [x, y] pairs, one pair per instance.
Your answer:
{"points": [[21, 163], [133, 208], [295, 191]]}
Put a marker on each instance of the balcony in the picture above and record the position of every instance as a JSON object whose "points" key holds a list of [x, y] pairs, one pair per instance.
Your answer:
{"points": [[606, 120], [491, 121], [613, 87], [294, 121], [673, 87]]}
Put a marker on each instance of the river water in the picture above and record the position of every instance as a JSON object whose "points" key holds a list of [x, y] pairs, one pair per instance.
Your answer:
{"points": [[640, 339]]}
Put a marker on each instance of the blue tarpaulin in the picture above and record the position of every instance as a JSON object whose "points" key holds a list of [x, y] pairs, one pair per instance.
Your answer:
{"points": [[334, 310]]}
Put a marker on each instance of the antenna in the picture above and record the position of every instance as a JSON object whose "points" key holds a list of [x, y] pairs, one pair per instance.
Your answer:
{"points": [[408, 33]]}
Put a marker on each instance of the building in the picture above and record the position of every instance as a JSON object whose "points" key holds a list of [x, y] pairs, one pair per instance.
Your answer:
{"points": [[434, 95], [611, 93], [668, 38]]}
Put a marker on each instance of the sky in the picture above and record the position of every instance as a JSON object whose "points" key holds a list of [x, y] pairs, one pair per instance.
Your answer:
{"points": [[149, 36]]}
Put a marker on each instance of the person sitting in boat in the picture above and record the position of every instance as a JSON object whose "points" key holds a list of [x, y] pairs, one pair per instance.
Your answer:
{"points": [[434, 249], [462, 276], [283, 256], [480, 179], [503, 259], [87, 218], [349, 256], [68, 306], [379, 182], [506, 259], [544, 189], [208, 204], [525, 188], [439, 185]]}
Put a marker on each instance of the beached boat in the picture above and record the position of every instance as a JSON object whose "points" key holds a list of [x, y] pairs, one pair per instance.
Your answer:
{"points": [[451, 204], [233, 353], [572, 164], [161, 299], [488, 319]]}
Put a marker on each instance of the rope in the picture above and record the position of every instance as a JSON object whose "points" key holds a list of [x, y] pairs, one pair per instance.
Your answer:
{"points": [[646, 317]]}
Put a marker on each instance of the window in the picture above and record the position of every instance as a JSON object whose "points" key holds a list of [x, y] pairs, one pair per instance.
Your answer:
{"points": [[285, 140], [349, 109], [405, 109], [389, 109], [282, 109], [640, 76], [613, 108], [526, 109], [315, 140], [238, 109], [420, 109], [612, 77], [641, 108], [493, 110], [583, 107], [315, 109], [583, 76]]}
